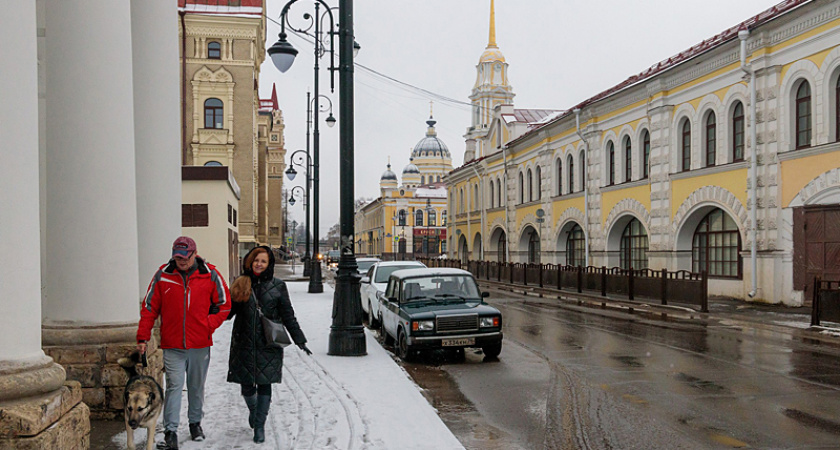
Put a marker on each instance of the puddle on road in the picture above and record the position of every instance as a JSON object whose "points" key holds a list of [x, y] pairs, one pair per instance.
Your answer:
{"points": [[456, 411]]}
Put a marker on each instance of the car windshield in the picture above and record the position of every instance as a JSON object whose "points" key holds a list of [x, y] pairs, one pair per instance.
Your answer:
{"points": [[365, 265], [384, 272], [441, 288]]}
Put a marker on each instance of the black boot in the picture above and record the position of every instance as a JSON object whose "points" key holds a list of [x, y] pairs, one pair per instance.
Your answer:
{"points": [[252, 407], [260, 415]]}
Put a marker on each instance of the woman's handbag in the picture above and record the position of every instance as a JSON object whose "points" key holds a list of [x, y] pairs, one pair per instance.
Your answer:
{"points": [[275, 333]]}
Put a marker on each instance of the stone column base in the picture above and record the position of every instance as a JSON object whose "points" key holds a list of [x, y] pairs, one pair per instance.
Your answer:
{"points": [[89, 354], [39, 410]]}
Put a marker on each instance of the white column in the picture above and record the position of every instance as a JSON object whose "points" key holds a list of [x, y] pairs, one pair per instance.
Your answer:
{"points": [[20, 266], [157, 131], [91, 199]]}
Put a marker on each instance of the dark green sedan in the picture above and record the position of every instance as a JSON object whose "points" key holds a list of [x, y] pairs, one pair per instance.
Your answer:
{"points": [[433, 308]]}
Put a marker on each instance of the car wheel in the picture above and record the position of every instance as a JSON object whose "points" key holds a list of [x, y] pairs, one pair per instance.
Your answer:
{"points": [[387, 340], [403, 350], [372, 322], [492, 351]]}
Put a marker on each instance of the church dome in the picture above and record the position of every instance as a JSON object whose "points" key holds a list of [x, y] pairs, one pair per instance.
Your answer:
{"points": [[388, 174], [411, 168], [492, 54], [431, 145]]}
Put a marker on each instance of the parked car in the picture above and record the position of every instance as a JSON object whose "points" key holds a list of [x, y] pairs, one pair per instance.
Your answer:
{"points": [[437, 308], [374, 282], [365, 264]]}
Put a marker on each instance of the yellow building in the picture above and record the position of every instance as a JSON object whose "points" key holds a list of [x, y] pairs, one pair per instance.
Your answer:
{"points": [[409, 220], [661, 170], [225, 122]]}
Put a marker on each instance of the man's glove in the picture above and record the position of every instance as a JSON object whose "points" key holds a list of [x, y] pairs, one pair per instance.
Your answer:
{"points": [[305, 349]]}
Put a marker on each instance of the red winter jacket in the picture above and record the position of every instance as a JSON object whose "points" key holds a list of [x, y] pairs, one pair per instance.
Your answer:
{"points": [[186, 319]]}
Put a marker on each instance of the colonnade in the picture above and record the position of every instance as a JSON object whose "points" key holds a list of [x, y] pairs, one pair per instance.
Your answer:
{"points": [[89, 203]]}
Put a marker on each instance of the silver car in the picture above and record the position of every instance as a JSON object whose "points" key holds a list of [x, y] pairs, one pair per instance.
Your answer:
{"points": [[374, 281]]}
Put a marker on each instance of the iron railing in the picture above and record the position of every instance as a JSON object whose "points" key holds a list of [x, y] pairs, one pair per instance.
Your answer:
{"points": [[826, 304], [680, 286]]}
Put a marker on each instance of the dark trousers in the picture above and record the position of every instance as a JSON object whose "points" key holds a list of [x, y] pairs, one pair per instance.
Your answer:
{"points": [[260, 389]]}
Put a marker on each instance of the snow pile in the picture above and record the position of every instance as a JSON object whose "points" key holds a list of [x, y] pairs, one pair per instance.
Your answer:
{"points": [[324, 402]]}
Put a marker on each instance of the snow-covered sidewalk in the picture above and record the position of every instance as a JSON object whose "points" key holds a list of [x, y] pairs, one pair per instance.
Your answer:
{"points": [[324, 402]]}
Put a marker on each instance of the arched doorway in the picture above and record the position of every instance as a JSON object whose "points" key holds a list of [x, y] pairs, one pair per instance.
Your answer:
{"points": [[529, 245], [476, 251], [463, 250], [497, 246]]}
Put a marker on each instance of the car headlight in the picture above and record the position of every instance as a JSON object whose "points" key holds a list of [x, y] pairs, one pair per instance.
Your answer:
{"points": [[487, 322], [423, 325]]}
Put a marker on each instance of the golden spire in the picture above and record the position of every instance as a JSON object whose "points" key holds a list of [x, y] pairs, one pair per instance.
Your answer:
{"points": [[431, 108], [492, 41]]}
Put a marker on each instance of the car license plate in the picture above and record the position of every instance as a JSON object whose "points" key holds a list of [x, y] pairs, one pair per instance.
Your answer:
{"points": [[457, 342]]}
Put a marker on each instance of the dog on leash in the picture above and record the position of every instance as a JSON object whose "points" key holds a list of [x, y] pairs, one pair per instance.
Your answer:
{"points": [[143, 400]]}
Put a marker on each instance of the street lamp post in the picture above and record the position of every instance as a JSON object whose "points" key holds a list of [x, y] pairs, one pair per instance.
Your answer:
{"points": [[347, 336], [291, 173]]}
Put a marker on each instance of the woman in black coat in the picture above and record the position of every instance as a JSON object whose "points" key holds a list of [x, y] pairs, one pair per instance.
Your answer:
{"points": [[252, 363]]}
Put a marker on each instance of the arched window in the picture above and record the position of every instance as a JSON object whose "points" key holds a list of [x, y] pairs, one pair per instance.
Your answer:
{"points": [[422, 179], [628, 159], [214, 50], [646, 154], [475, 202], [213, 163], [432, 218], [418, 218], [521, 188], [501, 252], [499, 193], [571, 164], [539, 183], [634, 246], [213, 113], [711, 138], [443, 218], [534, 248], [686, 146], [492, 197], [401, 217], [738, 132], [461, 203], [716, 247], [803, 115], [837, 110], [611, 162], [530, 186], [559, 174], [575, 246]]}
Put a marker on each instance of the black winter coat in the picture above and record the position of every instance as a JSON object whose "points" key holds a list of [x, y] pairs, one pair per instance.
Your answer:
{"points": [[251, 361]]}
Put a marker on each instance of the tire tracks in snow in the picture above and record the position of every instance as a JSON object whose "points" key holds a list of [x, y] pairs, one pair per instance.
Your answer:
{"points": [[334, 415]]}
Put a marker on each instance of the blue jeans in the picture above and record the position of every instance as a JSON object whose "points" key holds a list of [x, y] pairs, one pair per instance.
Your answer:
{"points": [[179, 364]]}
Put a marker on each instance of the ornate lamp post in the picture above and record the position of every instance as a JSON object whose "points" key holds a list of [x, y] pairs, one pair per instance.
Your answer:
{"points": [[291, 173], [347, 336]]}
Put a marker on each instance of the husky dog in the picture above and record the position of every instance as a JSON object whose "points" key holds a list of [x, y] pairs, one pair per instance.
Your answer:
{"points": [[143, 400]]}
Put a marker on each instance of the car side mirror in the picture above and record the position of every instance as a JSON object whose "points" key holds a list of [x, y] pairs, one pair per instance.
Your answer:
{"points": [[485, 294], [365, 280]]}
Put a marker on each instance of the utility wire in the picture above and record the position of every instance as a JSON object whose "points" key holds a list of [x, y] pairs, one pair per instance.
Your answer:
{"points": [[388, 79]]}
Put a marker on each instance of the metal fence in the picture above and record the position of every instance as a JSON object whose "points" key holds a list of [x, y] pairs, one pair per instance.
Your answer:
{"points": [[680, 286], [826, 304]]}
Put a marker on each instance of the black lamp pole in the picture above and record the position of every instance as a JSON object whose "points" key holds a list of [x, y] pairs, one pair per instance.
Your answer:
{"points": [[347, 336], [290, 173], [307, 259]]}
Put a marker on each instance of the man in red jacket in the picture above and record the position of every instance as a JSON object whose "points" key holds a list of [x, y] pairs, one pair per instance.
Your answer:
{"points": [[192, 300]]}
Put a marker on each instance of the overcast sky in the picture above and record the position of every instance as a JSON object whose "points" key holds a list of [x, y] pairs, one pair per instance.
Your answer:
{"points": [[560, 52]]}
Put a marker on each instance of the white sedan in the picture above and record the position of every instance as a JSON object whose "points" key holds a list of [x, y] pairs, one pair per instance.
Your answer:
{"points": [[374, 281]]}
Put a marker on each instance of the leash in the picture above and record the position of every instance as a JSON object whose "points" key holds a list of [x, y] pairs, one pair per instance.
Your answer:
{"points": [[143, 360]]}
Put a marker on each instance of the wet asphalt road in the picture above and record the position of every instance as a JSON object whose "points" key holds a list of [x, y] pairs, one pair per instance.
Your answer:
{"points": [[572, 380]]}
